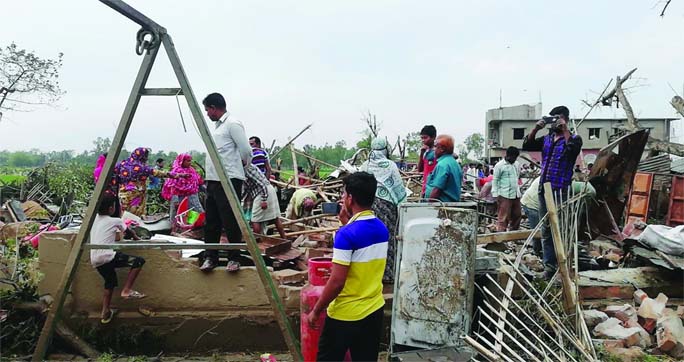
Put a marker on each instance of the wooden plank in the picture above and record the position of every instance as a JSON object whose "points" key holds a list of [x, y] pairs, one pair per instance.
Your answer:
{"points": [[505, 236], [569, 300], [270, 288], [75, 255]]}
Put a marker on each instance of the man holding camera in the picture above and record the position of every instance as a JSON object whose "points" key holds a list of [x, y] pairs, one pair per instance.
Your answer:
{"points": [[559, 151]]}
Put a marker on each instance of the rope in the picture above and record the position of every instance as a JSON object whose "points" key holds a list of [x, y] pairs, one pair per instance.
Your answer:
{"points": [[143, 44], [180, 112]]}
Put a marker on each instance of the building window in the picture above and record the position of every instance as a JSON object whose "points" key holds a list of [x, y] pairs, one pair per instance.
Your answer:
{"points": [[594, 133], [518, 133]]}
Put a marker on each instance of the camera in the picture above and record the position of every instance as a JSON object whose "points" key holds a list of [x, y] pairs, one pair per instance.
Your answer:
{"points": [[550, 119]]}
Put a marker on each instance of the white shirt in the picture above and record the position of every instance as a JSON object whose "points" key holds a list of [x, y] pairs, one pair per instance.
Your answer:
{"points": [[233, 149], [505, 182], [104, 232]]}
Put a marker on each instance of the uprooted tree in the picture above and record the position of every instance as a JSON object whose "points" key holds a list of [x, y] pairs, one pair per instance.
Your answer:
{"points": [[27, 80], [617, 96]]}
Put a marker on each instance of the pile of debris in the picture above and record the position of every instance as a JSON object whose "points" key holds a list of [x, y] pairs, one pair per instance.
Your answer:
{"points": [[647, 324]]}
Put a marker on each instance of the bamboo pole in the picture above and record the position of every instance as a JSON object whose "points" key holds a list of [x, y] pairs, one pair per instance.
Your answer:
{"points": [[568, 287], [312, 231], [294, 165], [273, 156]]}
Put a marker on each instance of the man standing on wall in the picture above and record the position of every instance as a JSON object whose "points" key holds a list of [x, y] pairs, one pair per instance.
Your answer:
{"points": [[559, 150], [506, 190], [427, 161], [234, 151]]}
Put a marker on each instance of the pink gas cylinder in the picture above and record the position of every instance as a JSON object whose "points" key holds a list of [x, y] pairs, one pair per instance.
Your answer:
{"points": [[319, 273]]}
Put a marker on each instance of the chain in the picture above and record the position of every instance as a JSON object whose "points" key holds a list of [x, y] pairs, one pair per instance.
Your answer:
{"points": [[143, 44]]}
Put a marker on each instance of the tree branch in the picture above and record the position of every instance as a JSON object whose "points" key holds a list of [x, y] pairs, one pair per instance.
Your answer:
{"points": [[667, 3]]}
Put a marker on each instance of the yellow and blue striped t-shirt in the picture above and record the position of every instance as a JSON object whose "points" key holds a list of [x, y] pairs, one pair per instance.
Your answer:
{"points": [[362, 245]]}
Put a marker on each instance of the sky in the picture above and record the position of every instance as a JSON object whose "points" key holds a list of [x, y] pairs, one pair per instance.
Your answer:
{"points": [[286, 64]]}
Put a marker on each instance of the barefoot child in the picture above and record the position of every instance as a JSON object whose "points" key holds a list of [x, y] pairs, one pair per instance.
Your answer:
{"points": [[107, 230]]}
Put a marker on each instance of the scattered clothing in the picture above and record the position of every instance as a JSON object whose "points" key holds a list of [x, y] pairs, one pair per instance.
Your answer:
{"points": [[669, 240], [447, 177]]}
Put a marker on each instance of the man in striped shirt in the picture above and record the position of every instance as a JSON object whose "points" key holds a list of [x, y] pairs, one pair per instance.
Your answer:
{"points": [[260, 157], [353, 294]]}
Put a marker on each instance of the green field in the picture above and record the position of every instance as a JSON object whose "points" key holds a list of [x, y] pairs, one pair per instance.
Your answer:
{"points": [[12, 179]]}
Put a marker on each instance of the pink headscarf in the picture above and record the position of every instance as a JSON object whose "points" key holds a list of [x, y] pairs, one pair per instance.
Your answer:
{"points": [[98, 167], [182, 186]]}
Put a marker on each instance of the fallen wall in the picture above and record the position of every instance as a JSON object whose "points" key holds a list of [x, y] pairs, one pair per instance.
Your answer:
{"points": [[184, 303]]}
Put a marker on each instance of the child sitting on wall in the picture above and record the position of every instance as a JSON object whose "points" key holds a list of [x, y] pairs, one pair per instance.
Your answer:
{"points": [[107, 230]]}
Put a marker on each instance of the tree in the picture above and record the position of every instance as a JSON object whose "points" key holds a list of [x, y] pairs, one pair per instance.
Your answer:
{"points": [[102, 145], [371, 131], [30, 80], [474, 144]]}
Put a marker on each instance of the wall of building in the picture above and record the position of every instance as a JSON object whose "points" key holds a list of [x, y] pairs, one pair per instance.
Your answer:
{"points": [[503, 132]]}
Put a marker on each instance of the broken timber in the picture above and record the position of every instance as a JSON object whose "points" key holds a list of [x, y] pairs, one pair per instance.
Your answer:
{"points": [[150, 50], [503, 237]]}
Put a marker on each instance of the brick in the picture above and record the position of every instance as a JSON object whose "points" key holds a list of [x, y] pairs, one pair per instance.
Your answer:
{"points": [[639, 296], [625, 313], [613, 329], [670, 334], [291, 296], [289, 276], [594, 317], [650, 310]]}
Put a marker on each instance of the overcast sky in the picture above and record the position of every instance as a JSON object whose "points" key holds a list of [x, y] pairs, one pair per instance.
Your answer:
{"points": [[285, 64]]}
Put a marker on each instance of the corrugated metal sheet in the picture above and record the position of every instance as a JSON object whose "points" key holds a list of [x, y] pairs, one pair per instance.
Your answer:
{"points": [[660, 163], [677, 165], [433, 291], [675, 215], [637, 207]]}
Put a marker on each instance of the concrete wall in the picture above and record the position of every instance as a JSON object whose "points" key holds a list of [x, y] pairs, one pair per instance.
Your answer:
{"points": [[184, 301], [170, 284]]}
